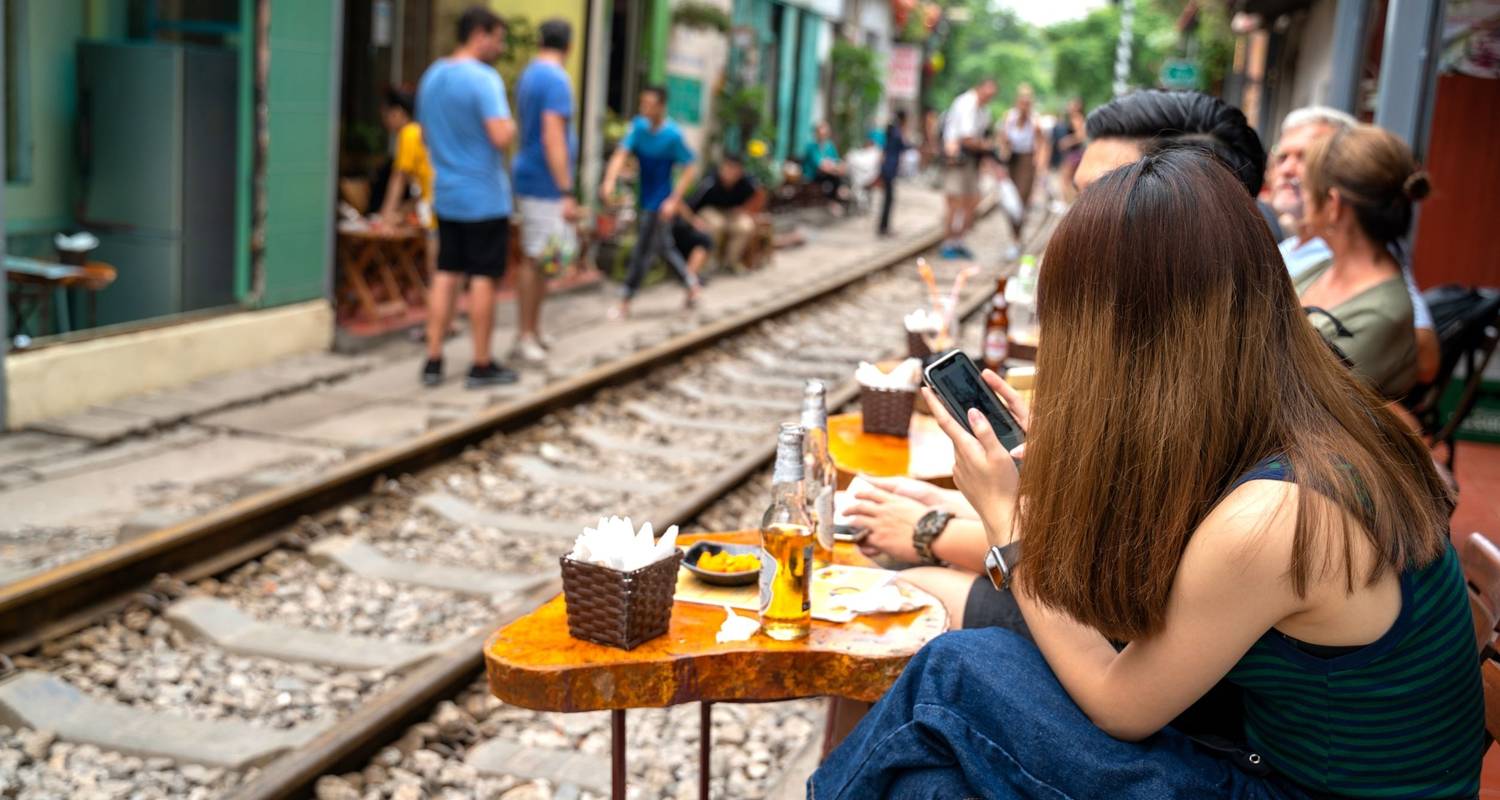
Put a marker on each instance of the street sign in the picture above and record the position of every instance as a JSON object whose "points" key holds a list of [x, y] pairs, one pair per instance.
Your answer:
{"points": [[903, 72], [1179, 73]]}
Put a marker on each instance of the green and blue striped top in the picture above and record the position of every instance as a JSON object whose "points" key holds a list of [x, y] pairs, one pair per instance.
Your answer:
{"points": [[1400, 717]]}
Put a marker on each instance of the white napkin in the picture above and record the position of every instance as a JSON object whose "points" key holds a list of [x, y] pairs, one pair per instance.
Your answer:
{"points": [[80, 242], [887, 599], [904, 377], [846, 498], [924, 320], [615, 543], [736, 628]]}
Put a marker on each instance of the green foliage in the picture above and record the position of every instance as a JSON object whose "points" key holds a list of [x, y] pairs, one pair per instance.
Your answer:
{"points": [[1084, 52], [856, 93], [700, 15]]}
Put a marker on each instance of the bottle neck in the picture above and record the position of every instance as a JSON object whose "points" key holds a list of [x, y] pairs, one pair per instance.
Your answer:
{"points": [[815, 415]]}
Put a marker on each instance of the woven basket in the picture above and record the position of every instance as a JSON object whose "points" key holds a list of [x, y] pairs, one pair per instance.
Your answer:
{"points": [[887, 411], [916, 346], [619, 609]]}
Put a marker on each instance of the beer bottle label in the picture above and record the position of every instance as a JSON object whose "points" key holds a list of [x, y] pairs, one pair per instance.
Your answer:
{"points": [[995, 347], [768, 567], [807, 565]]}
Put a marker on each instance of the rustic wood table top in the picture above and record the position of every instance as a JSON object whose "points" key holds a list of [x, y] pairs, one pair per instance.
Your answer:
{"points": [[926, 453], [534, 663]]}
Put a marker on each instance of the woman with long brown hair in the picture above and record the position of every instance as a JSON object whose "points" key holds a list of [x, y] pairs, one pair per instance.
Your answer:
{"points": [[1205, 481]]}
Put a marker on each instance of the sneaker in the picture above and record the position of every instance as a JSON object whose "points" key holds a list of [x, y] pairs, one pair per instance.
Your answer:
{"points": [[1012, 253], [618, 312], [690, 302], [950, 252], [489, 375], [529, 350], [432, 372], [965, 253]]}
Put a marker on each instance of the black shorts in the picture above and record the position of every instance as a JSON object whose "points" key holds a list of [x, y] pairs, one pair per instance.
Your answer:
{"points": [[474, 248], [988, 607], [687, 238]]}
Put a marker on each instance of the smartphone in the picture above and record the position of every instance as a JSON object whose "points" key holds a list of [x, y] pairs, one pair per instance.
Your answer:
{"points": [[956, 381], [849, 533]]}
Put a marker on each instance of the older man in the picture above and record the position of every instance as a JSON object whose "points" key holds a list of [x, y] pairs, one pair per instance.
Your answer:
{"points": [[1300, 131]]}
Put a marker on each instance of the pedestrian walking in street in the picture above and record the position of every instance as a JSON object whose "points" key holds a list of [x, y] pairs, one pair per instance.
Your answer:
{"points": [[544, 182], [720, 210], [1068, 141], [466, 123], [890, 167], [964, 147], [658, 147], [1025, 147], [410, 168]]}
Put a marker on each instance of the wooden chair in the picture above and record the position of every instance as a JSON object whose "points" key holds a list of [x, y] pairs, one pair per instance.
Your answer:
{"points": [[1481, 563]]}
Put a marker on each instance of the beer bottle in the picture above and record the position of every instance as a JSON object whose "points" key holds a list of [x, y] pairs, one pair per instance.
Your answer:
{"points": [[786, 540], [997, 331], [820, 476]]}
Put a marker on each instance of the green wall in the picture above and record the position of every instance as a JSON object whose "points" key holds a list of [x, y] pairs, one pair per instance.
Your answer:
{"points": [[300, 159], [45, 202]]}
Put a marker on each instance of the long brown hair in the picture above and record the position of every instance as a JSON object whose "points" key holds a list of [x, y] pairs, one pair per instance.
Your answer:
{"points": [[1174, 357]]}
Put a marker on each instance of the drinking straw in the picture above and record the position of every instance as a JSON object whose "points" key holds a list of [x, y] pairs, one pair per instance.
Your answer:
{"points": [[958, 286], [934, 296]]}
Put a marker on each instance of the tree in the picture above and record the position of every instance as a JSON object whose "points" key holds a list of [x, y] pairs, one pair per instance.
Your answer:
{"points": [[856, 93]]}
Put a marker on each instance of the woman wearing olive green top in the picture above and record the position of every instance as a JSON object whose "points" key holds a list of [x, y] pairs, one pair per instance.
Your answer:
{"points": [[1358, 189]]}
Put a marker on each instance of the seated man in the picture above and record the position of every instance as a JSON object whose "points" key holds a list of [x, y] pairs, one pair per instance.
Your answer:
{"points": [[821, 165], [719, 209]]}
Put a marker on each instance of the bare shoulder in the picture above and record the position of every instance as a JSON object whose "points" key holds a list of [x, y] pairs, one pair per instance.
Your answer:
{"points": [[1248, 536]]}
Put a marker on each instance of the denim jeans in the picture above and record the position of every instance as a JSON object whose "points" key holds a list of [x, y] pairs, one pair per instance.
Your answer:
{"points": [[653, 239], [979, 714]]}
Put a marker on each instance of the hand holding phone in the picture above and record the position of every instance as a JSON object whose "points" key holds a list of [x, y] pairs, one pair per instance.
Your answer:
{"points": [[955, 380]]}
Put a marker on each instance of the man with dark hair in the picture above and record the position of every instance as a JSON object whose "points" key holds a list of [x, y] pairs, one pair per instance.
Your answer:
{"points": [[466, 123], [719, 210], [544, 181], [658, 147], [890, 166]]}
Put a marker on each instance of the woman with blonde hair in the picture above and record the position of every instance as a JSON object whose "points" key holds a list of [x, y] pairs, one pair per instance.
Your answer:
{"points": [[1207, 483], [1359, 189]]}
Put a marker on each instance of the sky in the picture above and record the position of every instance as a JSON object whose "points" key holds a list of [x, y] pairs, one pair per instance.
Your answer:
{"points": [[1046, 12]]}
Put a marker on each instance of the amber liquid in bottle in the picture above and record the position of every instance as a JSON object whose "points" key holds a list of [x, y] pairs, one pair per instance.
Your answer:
{"points": [[997, 332], [787, 535]]}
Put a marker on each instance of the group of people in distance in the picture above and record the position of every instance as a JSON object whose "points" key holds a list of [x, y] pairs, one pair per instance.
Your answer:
{"points": [[450, 138], [1224, 570]]}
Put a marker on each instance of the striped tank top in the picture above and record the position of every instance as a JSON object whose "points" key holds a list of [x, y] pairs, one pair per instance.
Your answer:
{"points": [[1402, 716]]}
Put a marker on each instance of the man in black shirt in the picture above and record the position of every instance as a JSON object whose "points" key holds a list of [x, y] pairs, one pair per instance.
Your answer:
{"points": [[719, 209]]}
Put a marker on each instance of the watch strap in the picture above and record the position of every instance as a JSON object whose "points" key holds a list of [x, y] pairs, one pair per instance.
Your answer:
{"points": [[1000, 562], [928, 528]]}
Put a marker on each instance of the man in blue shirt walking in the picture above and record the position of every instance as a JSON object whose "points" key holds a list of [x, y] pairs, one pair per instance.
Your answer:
{"points": [[466, 124], [658, 147], [544, 180]]}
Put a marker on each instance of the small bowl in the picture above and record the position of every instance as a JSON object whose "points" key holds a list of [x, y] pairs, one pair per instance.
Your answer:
{"points": [[700, 549]]}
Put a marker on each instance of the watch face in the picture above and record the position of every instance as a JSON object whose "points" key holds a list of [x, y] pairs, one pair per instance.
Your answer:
{"points": [[994, 566]]}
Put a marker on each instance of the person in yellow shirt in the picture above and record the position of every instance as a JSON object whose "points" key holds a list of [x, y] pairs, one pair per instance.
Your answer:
{"points": [[409, 167]]}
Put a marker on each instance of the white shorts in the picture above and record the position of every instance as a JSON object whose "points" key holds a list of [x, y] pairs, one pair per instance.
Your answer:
{"points": [[545, 235]]}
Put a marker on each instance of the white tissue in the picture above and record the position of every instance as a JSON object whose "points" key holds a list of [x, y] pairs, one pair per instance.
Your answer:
{"points": [[736, 628], [924, 320], [905, 377], [615, 543], [848, 497], [887, 599]]}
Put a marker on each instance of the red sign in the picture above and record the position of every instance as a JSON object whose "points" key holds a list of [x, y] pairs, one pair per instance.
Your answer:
{"points": [[904, 72]]}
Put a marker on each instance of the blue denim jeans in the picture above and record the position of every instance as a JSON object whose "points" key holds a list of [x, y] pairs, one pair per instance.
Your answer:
{"points": [[979, 714]]}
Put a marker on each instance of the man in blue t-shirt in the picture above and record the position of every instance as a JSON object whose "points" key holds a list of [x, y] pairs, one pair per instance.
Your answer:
{"points": [[465, 124], [658, 147], [544, 180]]}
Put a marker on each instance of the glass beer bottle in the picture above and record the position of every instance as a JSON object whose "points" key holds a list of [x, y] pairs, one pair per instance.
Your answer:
{"points": [[820, 476], [786, 538], [997, 331]]}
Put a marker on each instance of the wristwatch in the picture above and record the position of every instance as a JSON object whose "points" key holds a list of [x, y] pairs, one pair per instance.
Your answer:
{"points": [[928, 527], [1000, 563]]}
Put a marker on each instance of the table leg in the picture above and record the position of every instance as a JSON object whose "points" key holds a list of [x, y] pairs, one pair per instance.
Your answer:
{"points": [[705, 744], [617, 754]]}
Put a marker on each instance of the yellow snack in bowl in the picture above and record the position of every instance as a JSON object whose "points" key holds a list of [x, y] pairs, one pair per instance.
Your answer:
{"points": [[723, 561]]}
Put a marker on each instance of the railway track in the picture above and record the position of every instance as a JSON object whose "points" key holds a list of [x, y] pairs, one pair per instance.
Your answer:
{"points": [[302, 630]]}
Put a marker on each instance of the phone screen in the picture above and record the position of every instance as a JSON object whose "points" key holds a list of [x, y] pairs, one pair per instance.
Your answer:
{"points": [[956, 380]]}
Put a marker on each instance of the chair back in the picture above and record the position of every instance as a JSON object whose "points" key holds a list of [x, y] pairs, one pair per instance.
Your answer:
{"points": [[1481, 564], [1466, 320]]}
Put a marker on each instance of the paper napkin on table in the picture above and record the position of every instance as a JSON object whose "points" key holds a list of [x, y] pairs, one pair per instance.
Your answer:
{"points": [[887, 599], [924, 320], [736, 628], [615, 543], [904, 377], [842, 500]]}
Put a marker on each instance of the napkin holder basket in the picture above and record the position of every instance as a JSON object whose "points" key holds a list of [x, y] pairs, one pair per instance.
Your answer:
{"points": [[619, 609], [887, 411]]}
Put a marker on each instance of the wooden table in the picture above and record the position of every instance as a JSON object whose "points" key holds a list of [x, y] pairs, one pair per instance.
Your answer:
{"points": [[534, 663], [926, 453], [38, 284], [381, 271]]}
